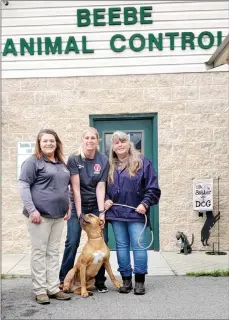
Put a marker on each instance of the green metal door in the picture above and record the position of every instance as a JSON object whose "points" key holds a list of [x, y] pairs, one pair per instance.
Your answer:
{"points": [[142, 130]]}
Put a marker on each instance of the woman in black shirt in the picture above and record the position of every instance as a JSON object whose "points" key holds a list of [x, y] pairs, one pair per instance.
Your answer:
{"points": [[89, 170]]}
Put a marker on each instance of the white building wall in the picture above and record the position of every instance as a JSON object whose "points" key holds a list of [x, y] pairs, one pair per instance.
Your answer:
{"points": [[33, 19], [61, 91]]}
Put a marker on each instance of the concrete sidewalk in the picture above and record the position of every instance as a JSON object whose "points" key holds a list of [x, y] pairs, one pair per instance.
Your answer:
{"points": [[160, 263]]}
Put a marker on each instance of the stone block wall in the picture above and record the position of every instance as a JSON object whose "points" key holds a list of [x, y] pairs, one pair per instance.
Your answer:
{"points": [[193, 139]]}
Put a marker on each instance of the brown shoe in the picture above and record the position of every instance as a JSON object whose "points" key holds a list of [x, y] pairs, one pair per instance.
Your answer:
{"points": [[60, 296], [42, 298]]}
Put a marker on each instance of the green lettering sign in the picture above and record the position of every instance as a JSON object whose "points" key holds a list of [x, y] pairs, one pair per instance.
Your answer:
{"points": [[112, 43], [71, 45], [84, 46], [113, 13], [56, 47], [83, 18], [98, 16], [204, 35], [39, 46], [115, 16], [187, 37], [144, 14], [130, 15], [158, 42], [219, 38], [28, 46], [172, 36], [142, 40], [9, 47]]}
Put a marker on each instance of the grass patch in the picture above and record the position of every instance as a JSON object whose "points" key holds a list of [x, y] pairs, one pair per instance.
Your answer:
{"points": [[214, 273], [3, 276]]}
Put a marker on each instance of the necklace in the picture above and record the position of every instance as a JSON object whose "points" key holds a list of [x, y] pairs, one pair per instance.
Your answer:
{"points": [[122, 164]]}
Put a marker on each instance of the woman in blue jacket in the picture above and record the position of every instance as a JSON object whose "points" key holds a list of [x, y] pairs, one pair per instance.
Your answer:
{"points": [[132, 181]]}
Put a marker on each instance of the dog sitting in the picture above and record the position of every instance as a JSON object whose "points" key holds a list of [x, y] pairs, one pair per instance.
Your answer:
{"points": [[81, 278], [186, 247]]}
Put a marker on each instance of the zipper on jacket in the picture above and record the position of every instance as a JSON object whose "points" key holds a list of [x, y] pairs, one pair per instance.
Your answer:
{"points": [[118, 182]]}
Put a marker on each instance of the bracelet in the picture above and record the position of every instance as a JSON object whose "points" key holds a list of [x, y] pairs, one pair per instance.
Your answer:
{"points": [[102, 211], [145, 205]]}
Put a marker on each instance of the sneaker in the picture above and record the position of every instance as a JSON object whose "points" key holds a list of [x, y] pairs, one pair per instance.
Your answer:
{"points": [[101, 288], [60, 296], [42, 298]]}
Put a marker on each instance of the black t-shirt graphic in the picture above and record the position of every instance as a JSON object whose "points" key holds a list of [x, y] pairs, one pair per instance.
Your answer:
{"points": [[91, 171]]}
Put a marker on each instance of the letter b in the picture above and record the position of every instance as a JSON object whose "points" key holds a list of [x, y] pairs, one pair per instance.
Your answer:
{"points": [[83, 18], [130, 15]]}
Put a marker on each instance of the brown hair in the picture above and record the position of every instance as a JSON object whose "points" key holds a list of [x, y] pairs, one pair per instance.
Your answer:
{"points": [[59, 147]]}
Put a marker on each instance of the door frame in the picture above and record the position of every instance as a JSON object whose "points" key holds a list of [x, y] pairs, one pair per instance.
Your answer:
{"points": [[138, 116]]}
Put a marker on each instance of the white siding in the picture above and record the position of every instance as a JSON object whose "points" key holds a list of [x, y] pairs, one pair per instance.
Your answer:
{"points": [[25, 19]]}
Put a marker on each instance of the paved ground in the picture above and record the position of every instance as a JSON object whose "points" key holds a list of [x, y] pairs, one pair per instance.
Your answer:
{"points": [[160, 263], [168, 297]]}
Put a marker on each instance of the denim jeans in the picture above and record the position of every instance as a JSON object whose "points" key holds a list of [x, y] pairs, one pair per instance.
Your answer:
{"points": [[72, 243], [126, 236]]}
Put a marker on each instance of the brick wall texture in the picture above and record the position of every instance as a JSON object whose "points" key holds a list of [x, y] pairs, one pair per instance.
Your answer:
{"points": [[193, 139]]}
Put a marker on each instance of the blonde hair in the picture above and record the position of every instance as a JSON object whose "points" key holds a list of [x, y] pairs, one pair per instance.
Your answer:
{"points": [[89, 129], [134, 162]]}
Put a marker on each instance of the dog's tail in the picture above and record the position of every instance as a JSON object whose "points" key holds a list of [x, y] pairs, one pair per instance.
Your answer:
{"points": [[192, 240]]}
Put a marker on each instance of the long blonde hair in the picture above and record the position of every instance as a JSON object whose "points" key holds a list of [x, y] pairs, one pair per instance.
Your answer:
{"points": [[134, 162], [92, 130]]}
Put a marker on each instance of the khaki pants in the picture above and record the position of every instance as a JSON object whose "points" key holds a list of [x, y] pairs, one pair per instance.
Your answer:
{"points": [[45, 238]]}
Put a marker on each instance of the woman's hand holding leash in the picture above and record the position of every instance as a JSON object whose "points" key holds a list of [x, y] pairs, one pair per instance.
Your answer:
{"points": [[108, 204], [141, 209]]}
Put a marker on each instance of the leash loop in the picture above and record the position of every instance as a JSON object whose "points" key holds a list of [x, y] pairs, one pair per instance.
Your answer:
{"points": [[145, 225]]}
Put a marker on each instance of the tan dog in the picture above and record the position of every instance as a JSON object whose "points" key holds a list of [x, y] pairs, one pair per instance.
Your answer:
{"points": [[81, 278]]}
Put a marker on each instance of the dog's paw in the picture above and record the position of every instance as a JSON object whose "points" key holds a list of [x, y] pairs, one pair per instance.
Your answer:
{"points": [[84, 294], [117, 284]]}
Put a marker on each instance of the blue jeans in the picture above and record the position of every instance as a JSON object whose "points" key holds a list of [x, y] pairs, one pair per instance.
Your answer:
{"points": [[72, 243], [126, 236]]}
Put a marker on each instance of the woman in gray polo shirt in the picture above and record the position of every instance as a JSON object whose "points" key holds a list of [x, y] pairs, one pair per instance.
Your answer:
{"points": [[43, 183]]}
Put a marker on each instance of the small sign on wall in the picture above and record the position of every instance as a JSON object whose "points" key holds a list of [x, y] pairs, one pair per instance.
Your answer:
{"points": [[24, 151], [203, 194]]}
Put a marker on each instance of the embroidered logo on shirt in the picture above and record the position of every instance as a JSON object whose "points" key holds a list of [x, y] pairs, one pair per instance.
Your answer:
{"points": [[80, 166], [97, 168]]}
